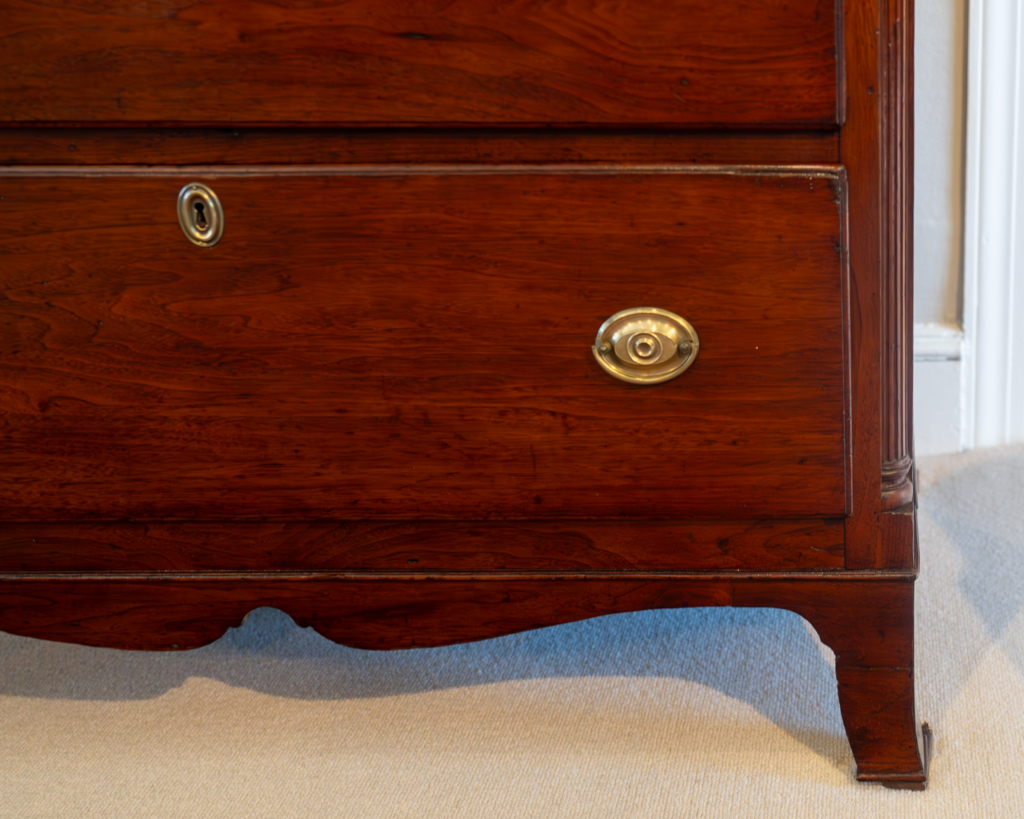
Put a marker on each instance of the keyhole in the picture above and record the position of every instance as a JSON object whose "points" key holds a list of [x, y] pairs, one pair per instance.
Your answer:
{"points": [[200, 210]]}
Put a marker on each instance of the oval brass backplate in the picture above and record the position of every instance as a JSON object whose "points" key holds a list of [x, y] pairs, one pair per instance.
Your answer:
{"points": [[646, 345], [200, 215]]}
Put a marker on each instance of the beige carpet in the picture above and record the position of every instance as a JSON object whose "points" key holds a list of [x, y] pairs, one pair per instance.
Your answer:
{"points": [[701, 713]]}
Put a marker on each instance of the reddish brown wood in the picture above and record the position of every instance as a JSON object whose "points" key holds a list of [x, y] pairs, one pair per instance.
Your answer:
{"points": [[877, 146], [466, 546], [384, 343], [868, 622], [882, 726], [248, 146], [870, 627], [364, 346], [897, 483], [423, 61], [186, 612], [899, 531], [859, 150], [863, 619], [897, 234]]}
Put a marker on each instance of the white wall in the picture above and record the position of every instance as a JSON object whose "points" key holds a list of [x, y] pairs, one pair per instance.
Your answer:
{"points": [[939, 114], [939, 95], [987, 357]]}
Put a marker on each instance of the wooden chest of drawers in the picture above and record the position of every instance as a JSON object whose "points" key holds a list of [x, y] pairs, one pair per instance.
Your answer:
{"points": [[432, 321]]}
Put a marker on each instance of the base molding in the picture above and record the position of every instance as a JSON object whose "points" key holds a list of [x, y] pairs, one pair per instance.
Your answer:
{"points": [[866, 619]]}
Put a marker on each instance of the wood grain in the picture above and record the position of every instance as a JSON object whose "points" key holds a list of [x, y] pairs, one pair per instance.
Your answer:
{"points": [[862, 620], [899, 533], [183, 612], [399, 344], [898, 293], [422, 546], [876, 146], [868, 623], [370, 146], [859, 148], [881, 724], [373, 405], [423, 61]]}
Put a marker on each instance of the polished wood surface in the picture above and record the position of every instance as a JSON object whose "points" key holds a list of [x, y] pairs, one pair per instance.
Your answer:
{"points": [[771, 544], [859, 145], [867, 622], [390, 343], [898, 292], [877, 149], [373, 405], [372, 146], [422, 61], [861, 619]]}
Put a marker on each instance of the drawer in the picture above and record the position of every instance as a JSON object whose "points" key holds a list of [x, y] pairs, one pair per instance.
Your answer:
{"points": [[672, 62], [395, 343]]}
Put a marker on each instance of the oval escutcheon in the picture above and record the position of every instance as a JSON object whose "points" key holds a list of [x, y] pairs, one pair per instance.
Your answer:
{"points": [[200, 214]]}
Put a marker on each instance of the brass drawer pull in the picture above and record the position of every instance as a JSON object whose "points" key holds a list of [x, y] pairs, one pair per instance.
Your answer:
{"points": [[200, 214], [646, 345]]}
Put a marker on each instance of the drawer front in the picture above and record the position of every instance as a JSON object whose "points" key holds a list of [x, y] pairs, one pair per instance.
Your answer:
{"points": [[686, 62], [394, 343]]}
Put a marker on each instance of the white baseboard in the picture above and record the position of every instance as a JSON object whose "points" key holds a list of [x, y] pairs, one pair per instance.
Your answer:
{"points": [[938, 389]]}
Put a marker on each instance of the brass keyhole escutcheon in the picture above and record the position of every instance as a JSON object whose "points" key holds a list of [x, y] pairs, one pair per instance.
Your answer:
{"points": [[200, 214], [646, 345]]}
